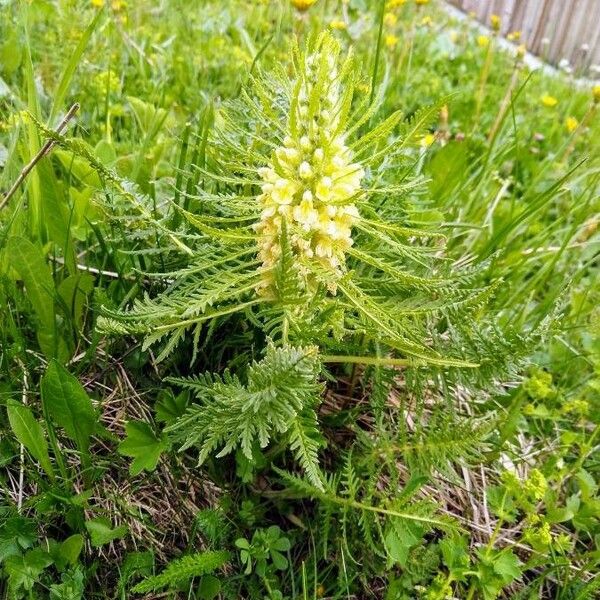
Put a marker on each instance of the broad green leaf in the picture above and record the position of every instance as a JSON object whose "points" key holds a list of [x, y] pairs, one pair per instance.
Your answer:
{"points": [[30, 433], [16, 534], [101, 531], [24, 571], [28, 261], [210, 586], [143, 446], [71, 548], [170, 407], [68, 404], [76, 56], [73, 292]]}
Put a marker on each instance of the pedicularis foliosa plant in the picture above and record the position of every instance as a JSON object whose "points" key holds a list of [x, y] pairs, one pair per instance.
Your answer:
{"points": [[285, 224]]}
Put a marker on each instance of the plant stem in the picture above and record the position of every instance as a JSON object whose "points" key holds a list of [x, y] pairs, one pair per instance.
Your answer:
{"points": [[377, 52], [43, 151], [366, 360]]}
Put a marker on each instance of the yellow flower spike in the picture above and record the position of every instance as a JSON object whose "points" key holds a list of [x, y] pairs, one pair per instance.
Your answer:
{"points": [[338, 24], [483, 41], [303, 5], [571, 123], [391, 40], [390, 19], [596, 93], [310, 182], [496, 23], [549, 101]]}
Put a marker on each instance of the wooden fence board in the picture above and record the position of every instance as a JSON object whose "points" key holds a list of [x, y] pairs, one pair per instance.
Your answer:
{"points": [[554, 30]]}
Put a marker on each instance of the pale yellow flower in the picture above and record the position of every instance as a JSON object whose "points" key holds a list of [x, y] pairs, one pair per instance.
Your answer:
{"points": [[571, 123], [548, 101], [338, 24], [426, 21], [303, 5], [513, 36], [391, 40], [596, 93], [390, 19], [395, 4], [427, 140], [483, 41], [495, 22]]}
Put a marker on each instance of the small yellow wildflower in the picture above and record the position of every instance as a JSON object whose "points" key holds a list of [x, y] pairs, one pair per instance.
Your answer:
{"points": [[395, 4], [391, 40], [390, 19], [495, 22], [117, 5], [549, 101], [338, 24], [483, 41], [571, 124], [596, 93], [97, 3], [426, 21], [421, 2], [514, 36], [303, 5], [427, 140], [521, 50]]}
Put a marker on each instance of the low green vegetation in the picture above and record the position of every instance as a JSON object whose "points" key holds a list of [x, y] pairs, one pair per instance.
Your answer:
{"points": [[299, 300]]}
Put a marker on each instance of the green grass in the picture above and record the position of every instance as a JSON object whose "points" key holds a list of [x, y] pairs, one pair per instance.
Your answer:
{"points": [[422, 425]]}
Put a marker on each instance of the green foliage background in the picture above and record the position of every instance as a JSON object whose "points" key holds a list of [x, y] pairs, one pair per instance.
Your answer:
{"points": [[335, 462]]}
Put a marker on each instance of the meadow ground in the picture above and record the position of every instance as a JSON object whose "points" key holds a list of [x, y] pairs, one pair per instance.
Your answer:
{"points": [[280, 323]]}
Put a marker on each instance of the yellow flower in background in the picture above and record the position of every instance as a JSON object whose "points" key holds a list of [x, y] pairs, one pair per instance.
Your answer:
{"points": [[97, 3], [521, 50], [390, 19], [483, 41], [495, 22], [303, 5], [427, 21], [571, 124], [596, 93], [427, 140], [549, 101], [395, 4], [391, 40], [338, 24], [514, 36], [421, 2], [117, 5]]}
